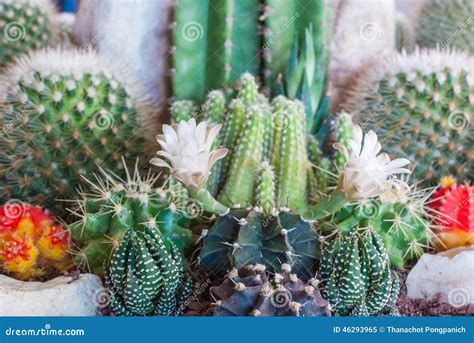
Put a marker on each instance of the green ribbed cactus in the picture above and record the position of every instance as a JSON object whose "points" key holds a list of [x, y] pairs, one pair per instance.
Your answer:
{"points": [[62, 114], [421, 107], [446, 23], [146, 276], [26, 26], [402, 226], [356, 276], [215, 41], [115, 206]]}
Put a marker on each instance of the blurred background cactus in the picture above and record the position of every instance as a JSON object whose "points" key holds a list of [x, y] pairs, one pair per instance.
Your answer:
{"points": [[32, 243], [62, 114], [27, 26]]}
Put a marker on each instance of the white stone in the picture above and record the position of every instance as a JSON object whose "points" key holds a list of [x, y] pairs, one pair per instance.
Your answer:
{"points": [[61, 296], [450, 272]]}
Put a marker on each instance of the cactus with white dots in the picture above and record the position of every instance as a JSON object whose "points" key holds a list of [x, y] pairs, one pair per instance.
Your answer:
{"points": [[27, 26], [115, 206], [421, 106], [62, 114], [356, 276]]}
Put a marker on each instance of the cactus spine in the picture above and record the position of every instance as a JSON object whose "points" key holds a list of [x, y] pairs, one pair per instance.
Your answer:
{"points": [[64, 113], [356, 276]]}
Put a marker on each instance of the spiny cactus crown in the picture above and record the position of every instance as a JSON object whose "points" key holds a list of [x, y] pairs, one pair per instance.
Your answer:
{"points": [[115, 206], [63, 113], [251, 291], [26, 26], [146, 275], [356, 275], [421, 107]]}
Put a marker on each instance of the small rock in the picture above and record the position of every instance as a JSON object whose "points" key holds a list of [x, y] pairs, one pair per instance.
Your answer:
{"points": [[57, 297], [450, 272]]}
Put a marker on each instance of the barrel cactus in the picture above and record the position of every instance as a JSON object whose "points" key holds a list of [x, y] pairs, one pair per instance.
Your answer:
{"points": [[27, 26], [146, 275], [32, 242], [446, 23], [251, 291], [421, 107], [356, 276], [62, 114], [115, 206]]}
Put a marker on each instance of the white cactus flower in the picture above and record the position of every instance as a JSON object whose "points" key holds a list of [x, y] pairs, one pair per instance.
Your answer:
{"points": [[367, 173], [186, 151]]}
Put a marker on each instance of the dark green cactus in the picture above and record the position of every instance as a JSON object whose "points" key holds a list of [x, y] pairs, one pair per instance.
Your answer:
{"points": [[356, 276], [62, 114], [245, 237], [146, 275], [251, 291], [116, 206], [27, 26]]}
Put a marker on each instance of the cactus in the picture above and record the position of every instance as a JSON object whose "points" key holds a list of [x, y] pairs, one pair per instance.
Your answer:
{"points": [[356, 276], [245, 237], [420, 105], [32, 242], [446, 23], [115, 206], [401, 225], [452, 211], [250, 291], [146, 275], [213, 43], [62, 114], [27, 26]]}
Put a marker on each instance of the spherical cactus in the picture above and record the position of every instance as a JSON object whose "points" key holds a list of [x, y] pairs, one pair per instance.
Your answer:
{"points": [[245, 237], [146, 275], [420, 106], [401, 225], [356, 276], [64, 113], [115, 206], [452, 211], [32, 243], [446, 23], [27, 26], [250, 291]]}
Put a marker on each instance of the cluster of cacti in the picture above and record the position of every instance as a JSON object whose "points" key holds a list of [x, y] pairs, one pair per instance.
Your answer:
{"points": [[32, 242], [62, 114], [146, 275], [420, 105], [401, 225], [356, 276], [251, 291], [446, 23], [215, 41], [264, 179], [26, 26], [452, 211], [114, 206]]}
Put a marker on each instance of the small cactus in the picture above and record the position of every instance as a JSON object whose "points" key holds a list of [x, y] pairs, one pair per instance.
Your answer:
{"points": [[146, 275], [421, 106], [115, 206], [26, 26], [62, 114], [251, 291], [452, 212], [356, 276], [32, 243]]}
